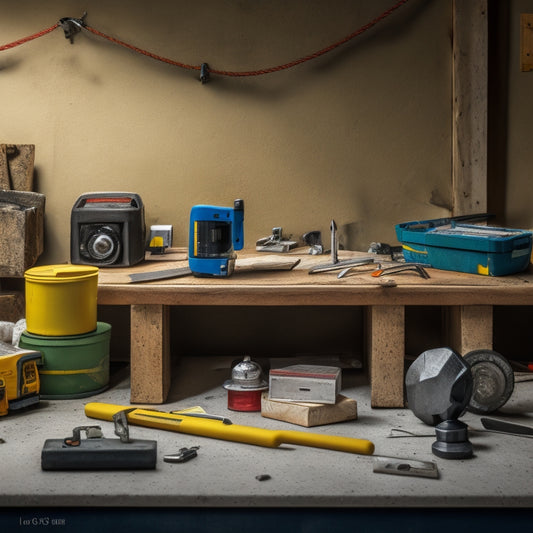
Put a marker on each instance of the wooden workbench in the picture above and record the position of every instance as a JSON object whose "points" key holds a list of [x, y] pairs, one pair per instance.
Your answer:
{"points": [[468, 299]]}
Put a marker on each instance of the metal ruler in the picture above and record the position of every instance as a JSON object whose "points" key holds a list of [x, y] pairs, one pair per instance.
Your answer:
{"points": [[168, 273]]}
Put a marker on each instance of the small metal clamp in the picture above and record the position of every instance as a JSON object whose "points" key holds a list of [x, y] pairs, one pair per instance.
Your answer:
{"points": [[182, 456], [91, 432], [275, 243], [120, 420], [71, 26], [204, 73]]}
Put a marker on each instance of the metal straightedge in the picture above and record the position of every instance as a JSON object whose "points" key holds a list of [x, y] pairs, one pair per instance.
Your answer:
{"points": [[405, 467]]}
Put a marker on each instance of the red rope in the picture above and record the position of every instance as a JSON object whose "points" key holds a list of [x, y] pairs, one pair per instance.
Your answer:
{"points": [[29, 38], [140, 50], [269, 70], [319, 53]]}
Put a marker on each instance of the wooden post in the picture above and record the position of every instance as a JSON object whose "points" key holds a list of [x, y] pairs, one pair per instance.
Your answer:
{"points": [[469, 327], [470, 101], [386, 353], [150, 353]]}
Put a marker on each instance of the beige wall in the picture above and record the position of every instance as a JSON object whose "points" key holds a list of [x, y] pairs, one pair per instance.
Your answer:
{"points": [[361, 135]]}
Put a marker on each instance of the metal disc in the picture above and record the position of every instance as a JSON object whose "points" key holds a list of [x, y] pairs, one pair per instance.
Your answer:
{"points": [[493, 381]]}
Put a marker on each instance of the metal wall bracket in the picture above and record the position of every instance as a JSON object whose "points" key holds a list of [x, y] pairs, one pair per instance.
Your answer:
{"points": [[71, 26]]}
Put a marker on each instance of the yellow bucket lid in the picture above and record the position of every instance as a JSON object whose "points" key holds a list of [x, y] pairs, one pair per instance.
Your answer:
{"points": [[64, 272]]}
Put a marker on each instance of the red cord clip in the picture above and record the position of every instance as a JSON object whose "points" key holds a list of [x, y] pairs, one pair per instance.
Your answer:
{"points": [[71, 26]]}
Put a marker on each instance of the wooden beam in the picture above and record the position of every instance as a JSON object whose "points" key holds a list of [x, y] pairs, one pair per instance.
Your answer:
{"points": [[526, 42], [150, 353], [470, 101], [469, 327], [385, 354]]}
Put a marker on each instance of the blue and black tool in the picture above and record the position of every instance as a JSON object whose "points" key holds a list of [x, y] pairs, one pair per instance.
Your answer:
{"points": [[215, 233]]}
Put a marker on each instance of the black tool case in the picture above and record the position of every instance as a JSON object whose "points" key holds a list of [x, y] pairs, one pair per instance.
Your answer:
{"points": [[99, 454]]}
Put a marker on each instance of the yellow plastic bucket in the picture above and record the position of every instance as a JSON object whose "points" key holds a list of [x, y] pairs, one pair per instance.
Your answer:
{"points": [[61, 299]]}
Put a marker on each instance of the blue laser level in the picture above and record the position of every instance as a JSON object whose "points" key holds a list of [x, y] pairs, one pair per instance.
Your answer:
{"points": [[214, 235]]}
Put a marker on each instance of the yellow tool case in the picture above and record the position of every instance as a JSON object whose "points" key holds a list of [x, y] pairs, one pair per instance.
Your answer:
{"points": [[19, 378]]}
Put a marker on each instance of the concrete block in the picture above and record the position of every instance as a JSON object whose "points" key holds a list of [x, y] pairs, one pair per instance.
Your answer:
{"points": [[12, 306], [21, 231]]}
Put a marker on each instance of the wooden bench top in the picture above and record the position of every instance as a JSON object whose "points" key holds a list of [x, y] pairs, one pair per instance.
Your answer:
{"points": [[251, 287]]}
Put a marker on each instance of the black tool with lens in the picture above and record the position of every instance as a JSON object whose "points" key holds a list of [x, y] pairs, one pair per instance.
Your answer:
{"points": [[107, 229]]}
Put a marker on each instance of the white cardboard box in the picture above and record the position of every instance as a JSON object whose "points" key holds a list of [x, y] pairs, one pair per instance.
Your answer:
{"points": [[305, 383]]}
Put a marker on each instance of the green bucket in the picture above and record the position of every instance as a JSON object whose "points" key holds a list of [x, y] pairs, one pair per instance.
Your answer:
{"points": [[74, 366]]}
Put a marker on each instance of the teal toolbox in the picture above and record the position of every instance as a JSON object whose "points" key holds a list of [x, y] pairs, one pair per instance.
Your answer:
{"points": [[447, 245]]}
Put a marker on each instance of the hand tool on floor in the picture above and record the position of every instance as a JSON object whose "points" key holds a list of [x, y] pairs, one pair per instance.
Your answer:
{"points": [[214, 235], [224, 429], [439, 386], [96, 452], [490, 425], [396, 433], [182, 456], [335, 264], [506, 427], [405, 467], [275, 243]]}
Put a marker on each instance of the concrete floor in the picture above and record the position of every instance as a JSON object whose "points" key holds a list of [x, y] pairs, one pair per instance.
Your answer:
{"points": [[311, 482]]}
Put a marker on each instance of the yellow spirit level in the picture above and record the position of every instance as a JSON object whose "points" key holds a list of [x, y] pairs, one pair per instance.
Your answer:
{"points": [[222, 428]]}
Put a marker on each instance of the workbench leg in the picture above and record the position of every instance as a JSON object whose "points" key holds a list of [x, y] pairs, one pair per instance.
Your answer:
{"points": [[469, 327], [386, 353], [150, 353]]}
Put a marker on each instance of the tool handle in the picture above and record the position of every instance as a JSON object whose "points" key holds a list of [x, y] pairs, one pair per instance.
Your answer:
{"points": [[507, 427], [274, 438], [329, 442]]}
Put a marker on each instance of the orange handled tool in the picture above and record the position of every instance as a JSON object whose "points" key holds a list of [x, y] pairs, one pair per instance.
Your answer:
{"points": [[224, 429]]}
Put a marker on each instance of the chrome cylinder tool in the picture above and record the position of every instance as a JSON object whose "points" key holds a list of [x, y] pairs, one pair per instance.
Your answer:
{"points": [[335, 264]]}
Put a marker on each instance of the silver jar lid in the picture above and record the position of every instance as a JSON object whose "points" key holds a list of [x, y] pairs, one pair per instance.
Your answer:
{"points": [[246, 375]]}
